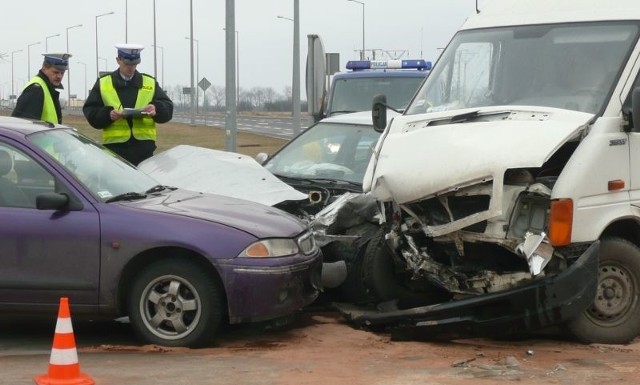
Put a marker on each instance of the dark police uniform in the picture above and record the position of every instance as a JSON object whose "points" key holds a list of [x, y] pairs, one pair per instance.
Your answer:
{"points": [[133, 146]]}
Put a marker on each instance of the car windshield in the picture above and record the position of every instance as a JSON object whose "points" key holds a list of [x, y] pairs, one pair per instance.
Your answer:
{"points": [[568, 66], [333, 151], [356, 94], [103, 173]]}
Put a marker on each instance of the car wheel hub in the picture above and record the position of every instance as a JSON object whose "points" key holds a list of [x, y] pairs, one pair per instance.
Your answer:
{"points": [[170, 307]]}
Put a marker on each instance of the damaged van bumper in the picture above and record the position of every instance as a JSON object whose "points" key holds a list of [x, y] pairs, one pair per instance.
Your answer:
{"points": [[547, 302]]}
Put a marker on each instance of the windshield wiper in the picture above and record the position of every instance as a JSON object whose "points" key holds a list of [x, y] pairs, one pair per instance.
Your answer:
{"points": [[158, 188], [319, 180], [129, 196]]}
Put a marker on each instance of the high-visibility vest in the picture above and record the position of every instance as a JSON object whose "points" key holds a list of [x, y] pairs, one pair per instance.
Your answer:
{"points": [[49, 113], [144, 127]]}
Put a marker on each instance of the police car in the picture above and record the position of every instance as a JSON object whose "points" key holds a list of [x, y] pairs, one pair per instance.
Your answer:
{"points": [[353, 90]]}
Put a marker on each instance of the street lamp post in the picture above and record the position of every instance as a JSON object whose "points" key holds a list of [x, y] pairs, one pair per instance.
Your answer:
{"points": [[13, 93], [295, 84], [97, 65], [197, 68], [237, 68], [69, 69], [155, 51], [161, 62], [361, 3], [46, 42], [193, 86], [29, 58], [85, 78]]}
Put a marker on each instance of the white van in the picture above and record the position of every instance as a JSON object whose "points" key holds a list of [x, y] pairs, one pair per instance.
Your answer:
{"points": [[510, 187]]}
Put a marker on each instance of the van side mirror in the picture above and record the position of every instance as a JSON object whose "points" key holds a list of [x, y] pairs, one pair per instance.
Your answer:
{"points": [[379, 112], [262, 157], [635, 109]]}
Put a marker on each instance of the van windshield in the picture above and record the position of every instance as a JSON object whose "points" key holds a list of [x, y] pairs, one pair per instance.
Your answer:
{"points": [[568, 66]]}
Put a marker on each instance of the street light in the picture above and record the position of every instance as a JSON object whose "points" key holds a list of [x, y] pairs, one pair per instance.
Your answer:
{"points": [[85, 78], [29, 58], [161, 62], [155, 51], [295, 84], [362, 3], [69, 69], [46, 42], [13, 93], [193, 86], [197, 66], [97, 16], [237, 67]]}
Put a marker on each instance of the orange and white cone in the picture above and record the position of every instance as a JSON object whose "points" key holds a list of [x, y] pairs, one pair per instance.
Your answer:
{"points": [[64, 368]]}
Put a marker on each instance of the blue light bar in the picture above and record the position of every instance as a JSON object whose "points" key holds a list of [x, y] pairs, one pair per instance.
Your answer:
{"points": [[417, 64]]}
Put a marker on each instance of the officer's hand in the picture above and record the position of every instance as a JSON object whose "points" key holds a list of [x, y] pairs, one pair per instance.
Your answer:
{"points": [[115, 115], [150, 109]]}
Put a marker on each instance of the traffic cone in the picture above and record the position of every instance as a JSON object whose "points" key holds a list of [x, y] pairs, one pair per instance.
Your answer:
{"points": [[64, 368]]}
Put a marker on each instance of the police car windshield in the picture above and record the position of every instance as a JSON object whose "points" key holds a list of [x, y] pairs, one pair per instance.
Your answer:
{"points": [[568, 66], [356, 94]]}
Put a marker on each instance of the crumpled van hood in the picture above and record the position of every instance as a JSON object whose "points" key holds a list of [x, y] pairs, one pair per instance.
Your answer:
{"points": [[416, 160]]}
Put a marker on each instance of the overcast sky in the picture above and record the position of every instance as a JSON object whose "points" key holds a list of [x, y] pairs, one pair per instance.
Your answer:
{"points": [[416, 28]]}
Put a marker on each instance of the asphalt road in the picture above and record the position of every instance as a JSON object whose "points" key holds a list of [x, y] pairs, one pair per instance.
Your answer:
{"points": [[317, 348]]}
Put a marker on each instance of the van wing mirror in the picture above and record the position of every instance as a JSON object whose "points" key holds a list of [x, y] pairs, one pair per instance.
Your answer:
{"points": [[635, 109], [379, 112]]}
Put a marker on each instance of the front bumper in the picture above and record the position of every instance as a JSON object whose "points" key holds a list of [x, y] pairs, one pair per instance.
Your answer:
{"points": [[550, 301], [260, 293]]}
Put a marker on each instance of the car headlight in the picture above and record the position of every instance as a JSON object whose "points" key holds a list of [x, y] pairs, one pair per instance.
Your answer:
{"points": [[281, 247], [269, 248]]}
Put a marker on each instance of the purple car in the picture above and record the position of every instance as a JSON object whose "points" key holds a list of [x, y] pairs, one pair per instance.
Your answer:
{"points": [[79, 222]]}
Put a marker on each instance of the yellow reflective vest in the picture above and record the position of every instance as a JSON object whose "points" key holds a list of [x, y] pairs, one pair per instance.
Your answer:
{"points": [[49, 113], [144, 127]]}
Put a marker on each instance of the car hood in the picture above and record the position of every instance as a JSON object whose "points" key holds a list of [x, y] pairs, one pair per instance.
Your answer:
{"points": [[418, 158], [253, 218], [218, 172]]}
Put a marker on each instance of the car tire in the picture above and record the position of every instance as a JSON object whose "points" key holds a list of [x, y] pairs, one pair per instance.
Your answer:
{"points": [[614, 316], [175, 303], [383, 282]]}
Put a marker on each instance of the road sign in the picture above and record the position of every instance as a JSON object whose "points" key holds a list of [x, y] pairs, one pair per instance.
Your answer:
{"points": [[186, 90], [204, 84]]}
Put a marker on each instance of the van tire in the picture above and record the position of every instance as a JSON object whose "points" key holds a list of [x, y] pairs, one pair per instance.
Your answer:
{"points": [[384, 283], [614, 316]]}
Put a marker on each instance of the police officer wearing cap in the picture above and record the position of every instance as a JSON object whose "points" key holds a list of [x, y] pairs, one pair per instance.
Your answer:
{"points": [[40, 98], [126, 105]]}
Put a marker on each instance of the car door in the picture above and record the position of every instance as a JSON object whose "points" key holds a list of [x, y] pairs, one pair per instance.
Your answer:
{"points": [[45, 254]]}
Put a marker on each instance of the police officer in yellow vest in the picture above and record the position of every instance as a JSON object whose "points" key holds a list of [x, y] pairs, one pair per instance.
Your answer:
{"points": [[126, 105], [40, 98]]}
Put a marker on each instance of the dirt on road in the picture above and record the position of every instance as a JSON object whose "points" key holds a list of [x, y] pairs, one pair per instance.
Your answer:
{"points": [[320, 348]]}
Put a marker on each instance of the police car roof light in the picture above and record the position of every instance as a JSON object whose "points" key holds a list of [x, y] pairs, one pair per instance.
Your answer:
{"points": [[418, 64]]}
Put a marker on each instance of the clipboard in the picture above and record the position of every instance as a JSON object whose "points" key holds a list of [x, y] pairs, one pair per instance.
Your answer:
{"points": [[133, 112]]}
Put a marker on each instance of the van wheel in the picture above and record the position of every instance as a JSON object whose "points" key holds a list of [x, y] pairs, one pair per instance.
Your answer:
{"points": [[614, 316], [175, 303], [385, 283]]}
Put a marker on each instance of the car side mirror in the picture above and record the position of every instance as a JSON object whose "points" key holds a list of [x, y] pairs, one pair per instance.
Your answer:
{"points": [[52, 201], [379, 112], [635, 109]]}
